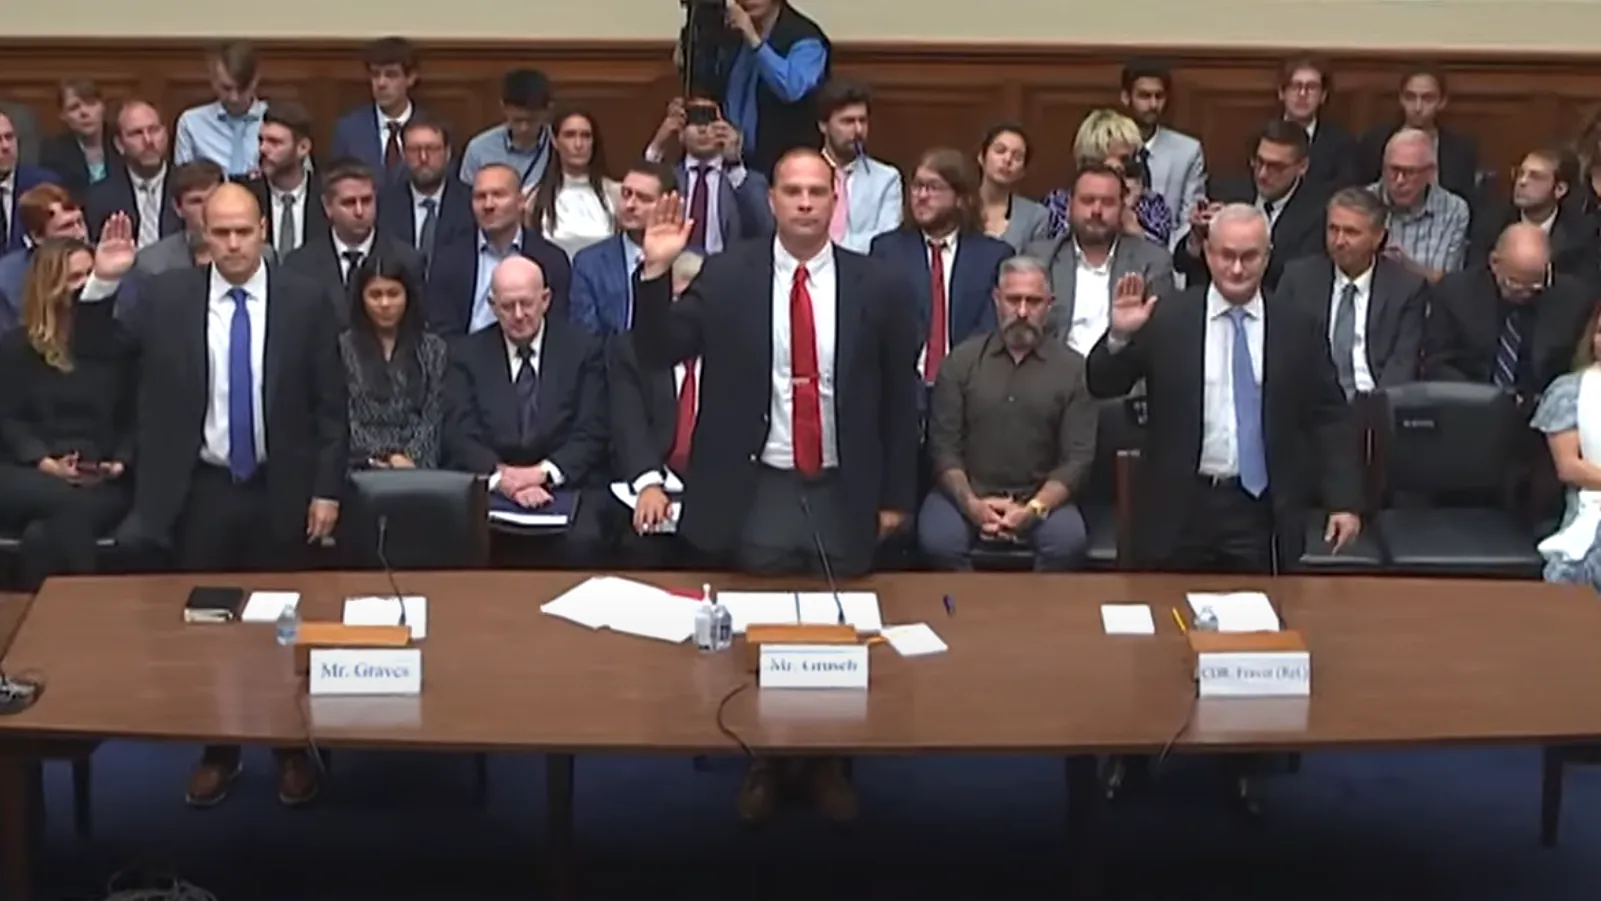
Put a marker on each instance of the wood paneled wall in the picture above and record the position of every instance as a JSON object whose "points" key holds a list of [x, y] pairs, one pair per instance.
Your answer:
{"points": [[925, 94]]}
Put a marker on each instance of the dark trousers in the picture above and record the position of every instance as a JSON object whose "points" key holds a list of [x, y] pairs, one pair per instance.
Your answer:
{"points": [[227, 526], [793, 522], [58, 522], [1225, 530]]}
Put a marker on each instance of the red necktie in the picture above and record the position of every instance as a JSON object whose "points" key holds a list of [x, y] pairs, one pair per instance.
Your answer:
{"points": [[688, 399], [807, 404], [938, 319], [392, 146], [698, 205]]}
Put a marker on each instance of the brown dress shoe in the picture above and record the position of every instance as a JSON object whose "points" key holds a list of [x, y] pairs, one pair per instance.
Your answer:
{"points": [[758, 796], [298, 778], [831, 791], [209, 783]]}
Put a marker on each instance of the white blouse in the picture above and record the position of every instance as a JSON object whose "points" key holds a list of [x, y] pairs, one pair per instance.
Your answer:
{"points": [[582, 218]]}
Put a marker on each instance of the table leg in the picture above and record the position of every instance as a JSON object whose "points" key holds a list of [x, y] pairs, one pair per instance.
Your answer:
{"points": [[1086, 800], [16, 855], [559, 865]]}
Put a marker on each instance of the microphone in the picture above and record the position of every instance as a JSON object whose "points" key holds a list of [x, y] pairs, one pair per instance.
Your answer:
{"points": [[822, 553], [389, 572]]}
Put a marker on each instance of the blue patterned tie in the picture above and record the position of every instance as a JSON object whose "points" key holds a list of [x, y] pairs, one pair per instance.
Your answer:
{"points": [[1247, 411], [1507, 346], [241, 392]]}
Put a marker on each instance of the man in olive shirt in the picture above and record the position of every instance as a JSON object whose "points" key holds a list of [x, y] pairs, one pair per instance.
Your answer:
{"points": [[1012, 434]]}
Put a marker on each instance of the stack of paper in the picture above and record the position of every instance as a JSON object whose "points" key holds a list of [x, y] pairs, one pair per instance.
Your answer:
{"points": [[810, 608], [384, 610], [1237, 611], [915, 640], [623, 605], [1127, 619], [267, 606]]}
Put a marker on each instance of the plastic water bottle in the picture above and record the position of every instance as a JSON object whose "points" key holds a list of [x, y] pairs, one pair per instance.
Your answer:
{"points": [[1205, 620], [288, 624], [706, 623], [722, 625]]}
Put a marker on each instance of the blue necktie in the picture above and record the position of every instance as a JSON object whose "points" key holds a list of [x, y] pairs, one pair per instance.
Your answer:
{"points": [[241, 392], [1247, 411], [1507, 346], [238, 151]]}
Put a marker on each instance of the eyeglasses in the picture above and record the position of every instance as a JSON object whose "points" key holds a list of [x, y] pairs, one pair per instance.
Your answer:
{"points": [[930, 187]]}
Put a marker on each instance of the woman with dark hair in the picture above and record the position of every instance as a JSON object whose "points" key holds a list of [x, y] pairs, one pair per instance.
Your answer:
{"points": [[575, 203], [66, 417], [394, 370], [1007, 215]]}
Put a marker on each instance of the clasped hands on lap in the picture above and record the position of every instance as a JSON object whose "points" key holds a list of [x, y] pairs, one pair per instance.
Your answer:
{"points": [[1000, 518], [526, 486], [78, 471]]}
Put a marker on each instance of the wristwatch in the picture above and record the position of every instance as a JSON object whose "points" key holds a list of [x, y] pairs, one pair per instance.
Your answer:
{"points": [[1038, 508]]}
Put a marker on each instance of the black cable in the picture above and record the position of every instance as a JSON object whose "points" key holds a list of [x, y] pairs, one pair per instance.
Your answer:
{"points": [[722, 726], [1189, 717]]}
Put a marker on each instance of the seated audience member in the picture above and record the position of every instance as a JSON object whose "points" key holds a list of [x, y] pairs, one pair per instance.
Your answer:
{"points": [[1007, 471], [394, 369], [1278, 187], [66, 417], [26, 128], [522, 143], [1428, 224], [332, 256], [139, 187], [602, 300], [1422, 97], [428, 208], [226, 130], [16, 179], [43, 212], [948, 264], [1333, 158], [286, 186], [727, 201], [1542, 187], [85, 152], [652, 421], [1007, 215], [372, 133], [1092, 256], [1136, 184], [1569, 415], [868, 190], [192, 183], [1108, 137], [1510, 322], [460, 269], [526, 405], [574, 205], [1174, 161], [1586, 192], [1370, 306]]}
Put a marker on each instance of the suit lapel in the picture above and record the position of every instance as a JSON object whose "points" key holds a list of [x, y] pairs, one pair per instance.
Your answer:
{"points": [[192, 324], [552, 359], [617, 271], [278, 321], [1271, 364], [847, 315], [760, 324], [1062, 310], [1380, 301], [500, 392]]}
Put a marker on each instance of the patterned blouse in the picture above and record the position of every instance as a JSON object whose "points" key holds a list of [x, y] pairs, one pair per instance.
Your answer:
{"points": [[402, 420]]}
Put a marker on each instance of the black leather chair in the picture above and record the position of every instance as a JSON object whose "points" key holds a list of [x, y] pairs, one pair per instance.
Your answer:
{"points": [[1367, 554], [1120, 431], [1446, 454]]}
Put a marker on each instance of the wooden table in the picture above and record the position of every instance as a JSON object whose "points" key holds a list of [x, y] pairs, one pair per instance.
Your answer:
{"points": [[1395, 662]]}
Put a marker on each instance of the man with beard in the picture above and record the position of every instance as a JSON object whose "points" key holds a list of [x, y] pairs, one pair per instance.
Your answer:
{"points": [[425, 209], [1175, 160], [285, 187], [1012, 434]]}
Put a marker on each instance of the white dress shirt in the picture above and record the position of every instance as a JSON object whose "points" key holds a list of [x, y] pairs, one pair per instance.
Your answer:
{"points": [[383, 126], [948, 260], [341, 248], [536, 360], [295, 200], [1359, 347], [582, 216], [1220, 455], [148, 198], [823, 286], [1092, 301], [219, 327], [654, 476]]}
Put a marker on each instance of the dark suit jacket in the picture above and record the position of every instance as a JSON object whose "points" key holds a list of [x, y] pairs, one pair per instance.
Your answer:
{"points": [[1336, 159], [88, 411], [318, 262], [28, 178], [481, 407], [1466, 316], [303, 391], [1575, 250], [1306, 423], [644, 412], [27, 128], [742, 214], [970, 301], [397, 215], [1397, 302], [1297, 233], [114, 194], [356, 136], [316, 218], [600, 289], [726, 319], [453, 279], [63, 155], [1458, 166]]}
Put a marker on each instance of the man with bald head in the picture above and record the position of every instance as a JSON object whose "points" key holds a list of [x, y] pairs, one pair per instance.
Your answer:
{"points": [[242, 430], [139, 188], [525, 404], [1428, 224], [16, 178], [1510, 322]]}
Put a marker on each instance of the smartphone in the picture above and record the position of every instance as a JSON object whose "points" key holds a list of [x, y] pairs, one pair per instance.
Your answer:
{"points": [[701, 114]]}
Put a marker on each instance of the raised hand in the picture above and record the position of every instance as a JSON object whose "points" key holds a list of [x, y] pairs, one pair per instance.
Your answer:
{"points": [[115, 252], [1131, 306], [666, 234]]}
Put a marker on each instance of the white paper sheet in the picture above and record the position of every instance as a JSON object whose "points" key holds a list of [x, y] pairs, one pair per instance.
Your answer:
{"points": [[383, 610], [267, 606], [1127, 619], [623, 605], [1237, 611], [915, 640], [812, 608]]}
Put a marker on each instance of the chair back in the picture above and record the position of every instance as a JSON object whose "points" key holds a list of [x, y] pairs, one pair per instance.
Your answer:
{"points": [[1118, 429], [1448, 440], [431, 519]]}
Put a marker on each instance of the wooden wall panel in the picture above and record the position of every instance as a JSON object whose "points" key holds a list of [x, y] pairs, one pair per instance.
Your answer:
{"points": [[927, 95]]}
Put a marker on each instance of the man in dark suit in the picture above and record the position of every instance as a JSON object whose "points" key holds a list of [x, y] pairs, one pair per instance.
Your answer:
{"points": [[1370, 307], [329, 257], [1510, 322], [603, 274], [242, 431], [286, 186], [805, 445], [1305, 84], [727, 201], [1422, 98], [371, 133], [1540, 196], [458, 300], [525, 404], [16, 179], [139, 187], [1279, 188], [428, 207], [949, 264], [26, 127]]}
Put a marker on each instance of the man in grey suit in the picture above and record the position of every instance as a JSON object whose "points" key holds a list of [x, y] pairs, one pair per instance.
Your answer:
{"points": [[1087, 262], [1175, 161], [27, 128]]}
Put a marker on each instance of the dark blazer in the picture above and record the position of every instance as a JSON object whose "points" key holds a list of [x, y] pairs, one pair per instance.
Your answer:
{"points": [[316, 217], [1297, 233], [1397, 302], [63, 155], [600, 289], [114, 194], [303, 390], [356, 135], [1466, 315], [319, 263], [970, 300], [88, 411], [644, 412], [1306, 423], [742, 213], [1458, 159], [28, 178], [27, 128], [397, 215], [1575, 249], [1336, 158], [453, 279], [481, 409], [726, 319]]}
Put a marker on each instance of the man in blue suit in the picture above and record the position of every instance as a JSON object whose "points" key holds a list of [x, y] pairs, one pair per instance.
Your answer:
{"points": [[602, 300], [428, 206], [727, 201], [372, 132], [15, 180], [947, 260]]}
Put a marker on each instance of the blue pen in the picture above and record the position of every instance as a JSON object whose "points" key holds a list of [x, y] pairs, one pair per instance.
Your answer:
{"points": [[950, 606]]}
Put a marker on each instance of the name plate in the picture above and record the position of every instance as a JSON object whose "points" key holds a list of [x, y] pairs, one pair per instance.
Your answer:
{"points": [[813, 666], [1254, 674], [366, 671]]}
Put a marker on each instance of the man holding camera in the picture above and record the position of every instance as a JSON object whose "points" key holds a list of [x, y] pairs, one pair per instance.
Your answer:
{"points": [[764, 61], [727, 201]]}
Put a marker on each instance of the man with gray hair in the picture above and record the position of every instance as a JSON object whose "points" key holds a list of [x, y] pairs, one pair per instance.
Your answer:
{"points": [[1011, 433], [1428, 224]]}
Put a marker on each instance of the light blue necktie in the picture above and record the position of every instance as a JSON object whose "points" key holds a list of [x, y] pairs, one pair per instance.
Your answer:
{"points": [[239, 161], [241, 393], [1247, 411]]}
